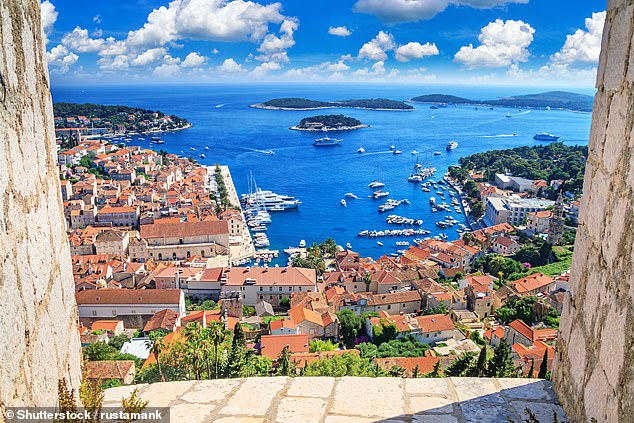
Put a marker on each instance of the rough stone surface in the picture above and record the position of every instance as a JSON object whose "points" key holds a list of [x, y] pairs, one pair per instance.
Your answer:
{"points": [[40, 342], [350, 400], [594, 375]]}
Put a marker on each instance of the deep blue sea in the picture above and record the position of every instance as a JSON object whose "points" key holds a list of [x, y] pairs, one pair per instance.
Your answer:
{"points": [[320, 176]]}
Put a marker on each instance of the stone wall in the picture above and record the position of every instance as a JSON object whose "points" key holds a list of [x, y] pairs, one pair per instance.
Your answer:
{"points": [[594, 369], [39, 341]]}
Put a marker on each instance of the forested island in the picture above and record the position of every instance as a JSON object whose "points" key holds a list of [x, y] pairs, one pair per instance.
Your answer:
{"points": [[115, 118], [306, 104], [555, 161], [553, 100], [329, 123]]}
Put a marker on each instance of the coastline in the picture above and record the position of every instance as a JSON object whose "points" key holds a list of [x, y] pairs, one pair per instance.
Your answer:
{"points": [[290, 109], [340, 129], [474, 104]]}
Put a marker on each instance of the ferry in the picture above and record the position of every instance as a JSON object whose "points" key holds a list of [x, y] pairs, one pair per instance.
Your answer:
{"points": [[545, 137], [327, 142], [361, 150], [452, 145]]}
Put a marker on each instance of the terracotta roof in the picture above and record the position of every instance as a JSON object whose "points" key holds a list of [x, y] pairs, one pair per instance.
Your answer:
{"points": [[282, 323], [184, 229], [164, 319], [300, 314], [129, 296], [286, 276], [123, 209], [394, 298], [272, 345], [504, 241], [531, 282], [109, 369], [302, 359], [435, 322], [109, 325], [425, 364]]}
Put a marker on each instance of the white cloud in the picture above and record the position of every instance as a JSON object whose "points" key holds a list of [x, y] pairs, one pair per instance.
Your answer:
{"points": [[273, 47], [377, 70], [502, 43], [415, 50], [582, 46], [339, 31], [152, 55], [316, 71], [194, 60], [79, 40], [549, 73], [215, 51], [230, 66], [48, 16], [376, 48], [60, 59], [265, 68], [416, 10]]}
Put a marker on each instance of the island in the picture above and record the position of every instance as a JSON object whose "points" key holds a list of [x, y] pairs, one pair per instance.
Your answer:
{"points": [[114, 119], [549, 100], [329, 123], [306, 104]]}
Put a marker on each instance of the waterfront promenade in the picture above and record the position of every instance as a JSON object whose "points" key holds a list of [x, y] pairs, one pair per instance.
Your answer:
{"points": [[244, 249]]}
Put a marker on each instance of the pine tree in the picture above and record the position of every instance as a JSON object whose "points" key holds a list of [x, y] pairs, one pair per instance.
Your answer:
{"points": [[237, 355], [532, 369], [437, 370], [543, 368], [481, 366], [415, 372], [501, 365], [283, 362], [462, 365]]}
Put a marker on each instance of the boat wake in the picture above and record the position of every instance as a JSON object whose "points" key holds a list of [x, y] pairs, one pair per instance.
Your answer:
{"points": [[525, 112], [220, 106], [498, 136], [255, 150]]}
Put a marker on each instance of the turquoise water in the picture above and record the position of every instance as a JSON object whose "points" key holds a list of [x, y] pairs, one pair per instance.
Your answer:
{"points": [[320, 176]]}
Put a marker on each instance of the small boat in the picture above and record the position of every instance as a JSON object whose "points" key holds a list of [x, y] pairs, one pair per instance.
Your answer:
{"points": [[545, 137], [508, 115], [379, 243], [376, 184], [437, 153], [452, 145], [392, 147], [206, 148], [192, 148], [361, 150], [202, 156], [302, 243], [349, 246], [380, 193], [414, 152], [160, 142], [141, 139], [344, 203], [433, 107], [351, 195], [155, 138], [397, 152]]}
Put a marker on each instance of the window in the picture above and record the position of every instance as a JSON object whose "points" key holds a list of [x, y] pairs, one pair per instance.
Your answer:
{"points": [[280, 289], [389, 306], [261, 289], [261, 297], [94, 312], [114, 312], [270, 289], [300, 289]]}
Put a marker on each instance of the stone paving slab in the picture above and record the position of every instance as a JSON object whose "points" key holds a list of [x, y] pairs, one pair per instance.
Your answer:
{"points": [[350, 400]]}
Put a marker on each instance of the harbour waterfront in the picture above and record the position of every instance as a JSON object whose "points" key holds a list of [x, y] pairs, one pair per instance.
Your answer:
{"points": [[259, 141]]}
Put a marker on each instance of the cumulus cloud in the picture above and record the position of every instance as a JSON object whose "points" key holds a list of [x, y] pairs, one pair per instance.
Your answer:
{"points": [[60, 59], [502, 43], [414, 50], [376, 48], [194, 60], [265, 68], [339, 31], [319, 70], [273, 47], [152, 55], [583, 46], [394, 11], [79, 40], [376, 70], [48, 16], [230, 66]]}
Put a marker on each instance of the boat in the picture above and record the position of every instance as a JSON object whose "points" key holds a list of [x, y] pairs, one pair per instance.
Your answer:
{"points": [[508, 115], [302, 244], [380, 193], [376, 184], [437, 153], [452, 145], [414, 152], [351, 195], [160, 142], [392, 147], [327, 142], [192, 148], [202, 156], [415, 178], [397, 152], [545, 137], [206, 148], [434, 107], [361, 150], [349, 246], [379, 243], [141, 139], [344, 203], [432, 200], [270, 201]]}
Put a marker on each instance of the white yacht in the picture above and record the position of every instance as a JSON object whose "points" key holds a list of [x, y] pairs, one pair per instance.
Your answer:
{"points": [[302, 243], [361, 150], [414, 152], [376, 184], [351, 195], [270, 201]]}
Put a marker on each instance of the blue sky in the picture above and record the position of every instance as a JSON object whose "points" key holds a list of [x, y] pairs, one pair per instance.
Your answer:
{"points": [[515, 42]]}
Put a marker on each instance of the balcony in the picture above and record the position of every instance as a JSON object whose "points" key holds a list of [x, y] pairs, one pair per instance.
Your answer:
{"points": [[350, 399]]}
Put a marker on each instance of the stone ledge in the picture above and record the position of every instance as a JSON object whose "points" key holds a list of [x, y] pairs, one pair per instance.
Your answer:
{"points": [[349, 399]]}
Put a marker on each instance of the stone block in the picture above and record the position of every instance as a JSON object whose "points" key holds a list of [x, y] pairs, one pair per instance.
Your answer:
{"points": [[477, 390], [479, 412], [164, 394], [543, 411], [534, 389], [434, 418], [255, 396], [210, 391], [359, 396], [191, 413], [301, 410], [426, 386], [320, 387], [434, 405]]}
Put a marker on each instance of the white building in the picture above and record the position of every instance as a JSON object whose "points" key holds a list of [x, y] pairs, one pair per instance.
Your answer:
{"points": [[513, 210]]}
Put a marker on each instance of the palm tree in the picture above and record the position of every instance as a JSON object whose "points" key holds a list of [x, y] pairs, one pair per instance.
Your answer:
{"points": [[156, 345], [193, 335], [367, 280], [217, 335]]}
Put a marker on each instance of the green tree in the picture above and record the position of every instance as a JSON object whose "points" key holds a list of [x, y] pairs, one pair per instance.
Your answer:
{"points": [[501, 364], [319, 345], [462, 365], [481, 365], [237, 355], [284, 365], [285, 303], [384, 332], [98, 351], [156, 345], [217, 335], [543, 367], [350, 326], [477, 209], [437, 372], [117, 341], [346, 364]]}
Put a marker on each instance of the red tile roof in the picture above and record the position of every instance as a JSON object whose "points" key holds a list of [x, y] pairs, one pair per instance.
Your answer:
{"points": [[272, 345], [184, 229], [129, 296]]}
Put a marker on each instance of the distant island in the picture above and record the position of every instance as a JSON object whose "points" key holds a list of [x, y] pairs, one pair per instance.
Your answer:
{"points": [[306, 104], [329, 123], [115, 119], [553, 100]]}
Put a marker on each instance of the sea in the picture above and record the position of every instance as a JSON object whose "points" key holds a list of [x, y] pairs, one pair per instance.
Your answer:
{"points": [[258, 143]]}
